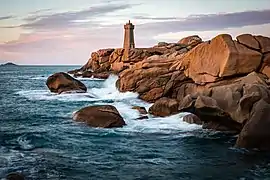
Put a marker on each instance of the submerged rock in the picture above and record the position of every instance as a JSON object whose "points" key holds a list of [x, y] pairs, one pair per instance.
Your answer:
{"points": [[105, 116], [15, 176], [75, 71], [103, 75], [141, 110], [86, 74], [142, 118], [62, 82]]}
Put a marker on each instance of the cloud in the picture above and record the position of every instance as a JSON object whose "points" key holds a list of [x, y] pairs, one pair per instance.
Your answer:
{"points": [[70, 18], [6, 17], [208, 22], [70, 37], [40, 11], [208, 35], [64, 46], [153, 18]]}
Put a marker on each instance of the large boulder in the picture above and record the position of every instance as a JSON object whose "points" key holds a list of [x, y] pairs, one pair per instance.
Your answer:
{"points": [[117, 67], [105, 116], [222, 57], [149, 82], [255, 134], [190, 40], [187, 104], [237, 97], [149, 78], [264, 43], [62, 82], [117, 55], [209, 112], [164, 107], [265, 69], [249, 41], [135, 55], [99, 61], [234, 96]]}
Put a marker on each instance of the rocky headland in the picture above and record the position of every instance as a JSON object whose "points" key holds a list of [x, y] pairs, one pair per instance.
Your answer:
{"points": [[223, 82]]}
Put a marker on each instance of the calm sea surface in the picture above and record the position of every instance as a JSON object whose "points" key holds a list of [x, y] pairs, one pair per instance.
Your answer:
{"points": [[39, 138]]}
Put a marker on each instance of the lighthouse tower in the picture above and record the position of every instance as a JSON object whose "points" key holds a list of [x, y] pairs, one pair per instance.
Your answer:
{"points": [[129, 36]]}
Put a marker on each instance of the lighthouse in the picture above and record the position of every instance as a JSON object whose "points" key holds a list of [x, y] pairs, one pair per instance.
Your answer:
{"points": [[129, 36]]}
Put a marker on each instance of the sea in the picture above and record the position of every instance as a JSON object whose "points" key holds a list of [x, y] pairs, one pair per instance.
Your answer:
{"points": [[39, 139]]}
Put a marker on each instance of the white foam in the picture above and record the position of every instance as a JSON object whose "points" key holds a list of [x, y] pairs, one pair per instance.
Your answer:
{"points": [[25, 143], [39, 78], [47, 95], [107, 92], [110, 92], [78, 78], [124, 103], [165, 125], [9, 155], [88, 79]]}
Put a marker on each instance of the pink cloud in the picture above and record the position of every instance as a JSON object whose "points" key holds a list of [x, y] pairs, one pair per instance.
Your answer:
{"points": [[73, 43]]}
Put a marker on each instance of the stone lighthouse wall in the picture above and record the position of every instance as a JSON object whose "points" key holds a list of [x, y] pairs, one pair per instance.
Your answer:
{"points": [[129, 36]]}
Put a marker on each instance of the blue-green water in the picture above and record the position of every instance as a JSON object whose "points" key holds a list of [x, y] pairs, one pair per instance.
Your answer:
{"points": [[39, 138]]}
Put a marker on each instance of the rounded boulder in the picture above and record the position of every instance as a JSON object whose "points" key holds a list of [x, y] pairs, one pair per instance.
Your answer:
{"points": [[164, 107], [62, 82], [104, 116]]}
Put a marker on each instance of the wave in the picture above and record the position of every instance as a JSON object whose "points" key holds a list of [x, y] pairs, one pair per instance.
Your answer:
{"points": [[38, 78], [108, 94], [47, 95], [153, 124], [109, 91], [25, 142], [164, 125], [88, 79], [78, 78]]}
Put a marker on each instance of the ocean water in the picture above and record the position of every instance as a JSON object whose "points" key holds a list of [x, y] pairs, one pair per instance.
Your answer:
{"points": [[39, 138]]}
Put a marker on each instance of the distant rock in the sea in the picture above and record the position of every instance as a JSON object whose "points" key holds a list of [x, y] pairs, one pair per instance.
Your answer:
{"points": [[8, 64]]}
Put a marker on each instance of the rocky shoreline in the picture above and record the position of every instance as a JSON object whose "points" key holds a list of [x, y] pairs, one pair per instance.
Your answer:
{"points": [[223, 82]]}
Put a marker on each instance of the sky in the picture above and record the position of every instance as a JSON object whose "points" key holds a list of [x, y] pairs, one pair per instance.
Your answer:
{"points": [[66, 32]]}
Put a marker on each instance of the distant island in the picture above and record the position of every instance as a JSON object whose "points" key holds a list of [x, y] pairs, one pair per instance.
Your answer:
{"points": [[9, 64]]}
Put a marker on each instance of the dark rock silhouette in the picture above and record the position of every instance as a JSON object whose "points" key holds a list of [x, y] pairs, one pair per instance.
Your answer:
{"points": [[15, 176]]}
